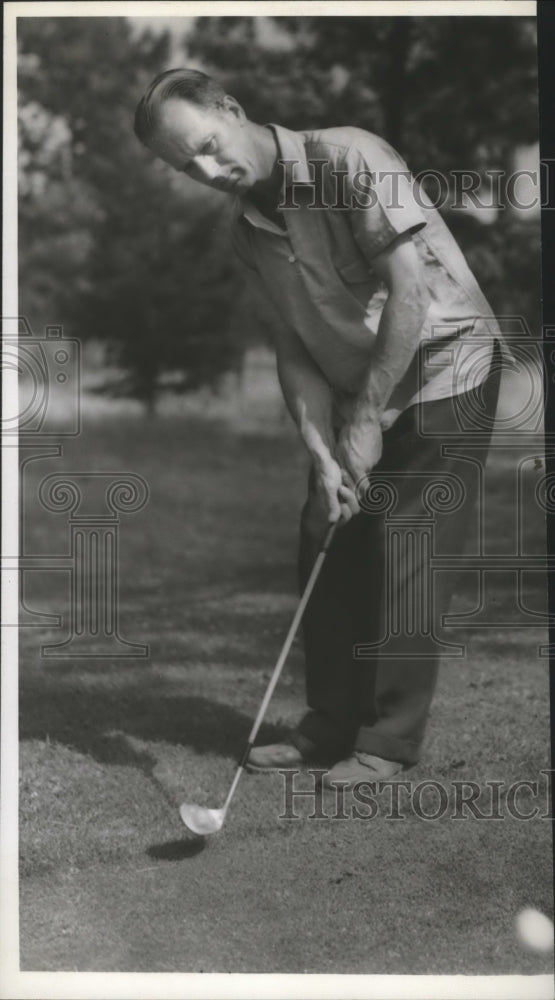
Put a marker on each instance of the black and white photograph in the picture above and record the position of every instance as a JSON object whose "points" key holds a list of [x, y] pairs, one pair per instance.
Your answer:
{"points": [[275, 690]]}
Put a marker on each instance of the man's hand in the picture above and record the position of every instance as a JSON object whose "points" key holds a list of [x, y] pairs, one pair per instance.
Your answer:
{"points": [[359, 449], [336, 500]]}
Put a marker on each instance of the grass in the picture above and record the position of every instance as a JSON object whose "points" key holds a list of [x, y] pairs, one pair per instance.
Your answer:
{"points": [[111, 881]]}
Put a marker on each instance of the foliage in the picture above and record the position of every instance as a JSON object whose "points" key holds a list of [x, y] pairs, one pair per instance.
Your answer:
{"points": [[164, 291], [111, 244], [453, 92], [506, 258]]}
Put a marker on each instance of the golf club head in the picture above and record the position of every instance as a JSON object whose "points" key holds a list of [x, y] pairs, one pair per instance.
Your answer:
{"points": [[201, 820]]}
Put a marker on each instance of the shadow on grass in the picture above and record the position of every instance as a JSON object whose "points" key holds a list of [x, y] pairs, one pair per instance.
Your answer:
{"points": [[176, 850], [97, 722]]}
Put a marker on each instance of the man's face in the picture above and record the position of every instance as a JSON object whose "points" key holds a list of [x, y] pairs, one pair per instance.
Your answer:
{"points": [[211, 145]]}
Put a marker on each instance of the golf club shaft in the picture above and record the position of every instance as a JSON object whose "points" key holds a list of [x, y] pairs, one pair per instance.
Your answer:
{"points": [[283, 655]]}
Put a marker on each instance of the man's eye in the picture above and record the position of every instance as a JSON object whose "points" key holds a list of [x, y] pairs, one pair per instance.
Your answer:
{"points": [[209, 147]]}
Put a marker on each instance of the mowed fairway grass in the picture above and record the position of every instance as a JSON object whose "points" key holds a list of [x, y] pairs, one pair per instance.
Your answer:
{"points": [[110, 878]]}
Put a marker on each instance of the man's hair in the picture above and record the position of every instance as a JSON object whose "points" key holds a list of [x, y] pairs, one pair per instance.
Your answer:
{"points": [[187, 84]]}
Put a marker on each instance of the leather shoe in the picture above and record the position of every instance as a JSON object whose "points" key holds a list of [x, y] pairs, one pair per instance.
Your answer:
{"points": [[362, 767], [273, 757]]}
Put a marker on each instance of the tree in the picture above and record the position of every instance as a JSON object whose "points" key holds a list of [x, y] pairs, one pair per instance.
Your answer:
{"points": [[112, 243], [163, 292]]}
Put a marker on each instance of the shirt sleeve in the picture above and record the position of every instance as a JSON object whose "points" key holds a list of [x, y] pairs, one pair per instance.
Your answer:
{"points": [[380, 194]]}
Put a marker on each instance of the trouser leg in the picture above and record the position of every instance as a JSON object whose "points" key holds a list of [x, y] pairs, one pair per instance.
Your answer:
{"points": [[332, 673], [400, 674]]}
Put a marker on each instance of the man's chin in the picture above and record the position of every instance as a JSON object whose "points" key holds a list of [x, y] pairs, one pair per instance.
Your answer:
{"points": [[242, 187]]}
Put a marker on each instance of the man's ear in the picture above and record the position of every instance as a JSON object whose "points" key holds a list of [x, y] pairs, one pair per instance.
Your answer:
{"points": [[234, 108]]}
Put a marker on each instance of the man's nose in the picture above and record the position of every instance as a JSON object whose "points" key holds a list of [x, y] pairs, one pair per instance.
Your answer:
{"points": [[207, 168]]}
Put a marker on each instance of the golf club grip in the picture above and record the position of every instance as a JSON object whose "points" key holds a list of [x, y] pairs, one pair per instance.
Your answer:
{"points": [[319, 561]]}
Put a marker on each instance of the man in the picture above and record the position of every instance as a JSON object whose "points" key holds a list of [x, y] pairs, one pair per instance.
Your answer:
{"points": [[386, 352]]}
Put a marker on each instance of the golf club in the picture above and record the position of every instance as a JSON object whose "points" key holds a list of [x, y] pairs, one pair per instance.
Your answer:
{"points": [[202, 820]]}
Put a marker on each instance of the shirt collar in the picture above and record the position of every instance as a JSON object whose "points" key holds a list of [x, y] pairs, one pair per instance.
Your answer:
{"points": [[292, 150]]}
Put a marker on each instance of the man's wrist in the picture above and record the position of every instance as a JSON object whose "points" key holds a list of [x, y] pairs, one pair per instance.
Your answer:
{"points": [[366, 415], [320, 444], [321, 458]]}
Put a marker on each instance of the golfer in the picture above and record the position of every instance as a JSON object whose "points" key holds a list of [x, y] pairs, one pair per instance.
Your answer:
{"points": [[388, 358]]}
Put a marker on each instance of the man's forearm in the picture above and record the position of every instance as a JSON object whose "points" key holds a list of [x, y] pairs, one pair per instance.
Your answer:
{"points": [[397, 339], [309, 401]]}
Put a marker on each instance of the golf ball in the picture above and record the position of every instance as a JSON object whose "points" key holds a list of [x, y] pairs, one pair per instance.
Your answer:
{"points": [[534, 930]]}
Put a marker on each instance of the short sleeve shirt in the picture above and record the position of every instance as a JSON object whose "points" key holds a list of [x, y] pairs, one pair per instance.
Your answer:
{"points": [[347, 196]]}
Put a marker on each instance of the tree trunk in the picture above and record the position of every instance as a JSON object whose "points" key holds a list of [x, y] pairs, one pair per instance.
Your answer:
{"points": [[395, 98]]}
